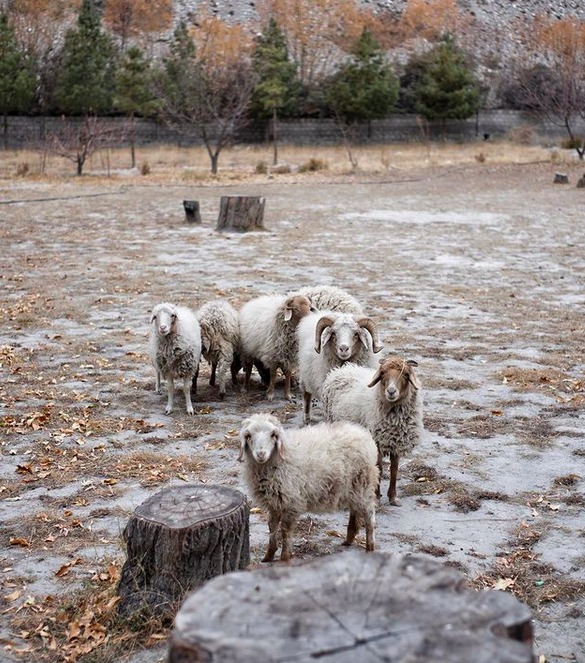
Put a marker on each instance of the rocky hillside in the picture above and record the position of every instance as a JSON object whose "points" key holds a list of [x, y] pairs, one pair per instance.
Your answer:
{"points": [[492, 12]]}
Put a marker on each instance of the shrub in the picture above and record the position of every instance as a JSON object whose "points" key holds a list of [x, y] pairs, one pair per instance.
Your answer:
{"points": [[282, 169], [480, 158], [312, 165], [22, 169], [575, 143], [521, 135], [145, 170], [261, 168]]}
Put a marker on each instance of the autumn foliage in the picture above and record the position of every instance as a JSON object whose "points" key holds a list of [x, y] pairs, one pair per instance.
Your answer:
{"points": [[429, 19]]}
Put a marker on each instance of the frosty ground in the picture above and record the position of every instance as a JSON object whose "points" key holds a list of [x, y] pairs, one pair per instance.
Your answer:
{"points": [[476, 272]]}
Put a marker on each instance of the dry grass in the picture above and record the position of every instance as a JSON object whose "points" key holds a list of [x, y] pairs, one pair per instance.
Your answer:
{"points": [[191, 164]]}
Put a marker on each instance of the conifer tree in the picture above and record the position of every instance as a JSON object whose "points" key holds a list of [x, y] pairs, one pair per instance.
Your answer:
{"points": [[364, 88], [448, 89], [17, 82], [133, 93], [85, 83], [278, 87]]}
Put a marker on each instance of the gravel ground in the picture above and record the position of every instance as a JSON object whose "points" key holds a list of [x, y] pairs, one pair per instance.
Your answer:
{"points": [[475, 272]]}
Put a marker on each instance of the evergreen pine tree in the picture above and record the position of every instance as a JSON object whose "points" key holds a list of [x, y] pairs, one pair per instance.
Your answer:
{"points": [[133, 94], [85, 83], [364, 88], [447, 89], [278, 87], [17, 82]]}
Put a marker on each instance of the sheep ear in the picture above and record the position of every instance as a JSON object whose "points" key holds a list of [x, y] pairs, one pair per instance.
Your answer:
{"points": [[323, 340], [280, 446], [412, 362], [377, 377], [414, 381], [287, 314], [152, 318]]}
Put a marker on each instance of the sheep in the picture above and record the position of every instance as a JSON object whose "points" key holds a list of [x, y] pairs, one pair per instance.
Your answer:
{"points": [[327, 340], [267, 334], [322, 468], [175, 349], [392, 412], [220, 338], [332, 298]]}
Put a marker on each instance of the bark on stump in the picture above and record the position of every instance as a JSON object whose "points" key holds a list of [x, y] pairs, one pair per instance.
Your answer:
{"points": [[192, 213], [241, 213], [176, 540], [351, 607]]}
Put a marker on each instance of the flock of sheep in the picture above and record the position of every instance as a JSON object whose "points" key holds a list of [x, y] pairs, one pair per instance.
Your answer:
{"points": [[372, 406]]}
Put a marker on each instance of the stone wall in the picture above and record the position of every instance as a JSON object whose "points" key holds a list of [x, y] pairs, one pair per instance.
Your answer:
{"points": [[32, 132]]}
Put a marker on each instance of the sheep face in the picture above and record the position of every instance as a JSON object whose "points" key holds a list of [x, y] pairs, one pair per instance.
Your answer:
{"points": [[297, 307], [396, 377], [261, 438], [164, 319], [345, 335]]}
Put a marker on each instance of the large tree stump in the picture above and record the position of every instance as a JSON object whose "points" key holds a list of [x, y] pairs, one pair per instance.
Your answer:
{"points": [[241, 213], [192, 213], [176, 540], [351, 607]]}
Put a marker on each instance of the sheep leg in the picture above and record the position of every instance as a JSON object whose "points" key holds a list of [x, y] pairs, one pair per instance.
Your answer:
{"points": [[352, 528], [194, 382], [307, 407], [223, 364], [187, 391], [287, 528], [393, 476], [378, 492], [272, 385], [273, 523], [287, 385], [157, 384], [213, 369], [170, 394], [247, 374], [370, 520]]}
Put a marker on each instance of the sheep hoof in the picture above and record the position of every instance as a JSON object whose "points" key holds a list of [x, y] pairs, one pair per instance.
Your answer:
{"points": [[190, 410], [285, 557], [270, 396], [168, 410], [394, 501], [268, 558], [221, 395], [346, 543]]}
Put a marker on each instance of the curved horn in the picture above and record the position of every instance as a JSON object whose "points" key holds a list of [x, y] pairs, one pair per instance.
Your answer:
{"points": [[322, 324], [368, 323]]}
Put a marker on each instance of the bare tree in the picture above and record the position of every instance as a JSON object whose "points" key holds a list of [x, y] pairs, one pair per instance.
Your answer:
{"points": [[78, 140], [555, 87]]}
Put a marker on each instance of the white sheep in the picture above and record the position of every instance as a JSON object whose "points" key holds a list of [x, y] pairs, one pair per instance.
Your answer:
{"points": [[268, 333], [220, 339], [392, 411], [332, 298], [327, 340], [175, 349], [320, 468]]}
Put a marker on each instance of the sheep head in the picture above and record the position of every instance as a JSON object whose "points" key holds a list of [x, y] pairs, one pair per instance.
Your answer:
{"points": [[297, 307], [347, 333], [260, 436], [396, 377], [164, 318]]}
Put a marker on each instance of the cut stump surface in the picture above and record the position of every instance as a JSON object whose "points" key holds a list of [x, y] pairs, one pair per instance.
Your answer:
{"points": [[176, 540], [351, 607]]}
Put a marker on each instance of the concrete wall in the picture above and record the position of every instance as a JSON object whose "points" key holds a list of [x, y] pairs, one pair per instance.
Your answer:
{"points": [[32, 131]]}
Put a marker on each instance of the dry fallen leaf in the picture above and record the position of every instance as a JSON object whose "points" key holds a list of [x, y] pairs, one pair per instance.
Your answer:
{"points": [[16, 594], [19, 541], [503, 583]]}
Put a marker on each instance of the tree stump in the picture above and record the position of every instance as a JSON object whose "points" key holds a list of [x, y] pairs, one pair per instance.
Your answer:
{"points": [[192, 213], [176, 540], [351, 607], [581, 182], [561, 178], [241, 213]]}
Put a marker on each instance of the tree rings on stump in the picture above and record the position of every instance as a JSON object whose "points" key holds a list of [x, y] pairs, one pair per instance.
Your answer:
{"points": [[351, 607], [176, 540]]}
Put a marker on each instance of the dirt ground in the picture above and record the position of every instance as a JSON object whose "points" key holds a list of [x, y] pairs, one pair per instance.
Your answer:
{"points": [[474, 271]]}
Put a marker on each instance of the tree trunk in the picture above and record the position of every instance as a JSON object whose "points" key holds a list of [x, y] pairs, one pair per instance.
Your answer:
{"points": [[133, 140], [274, 137], [241, 213], [192, 213], [351, 607], [176, 540]]}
